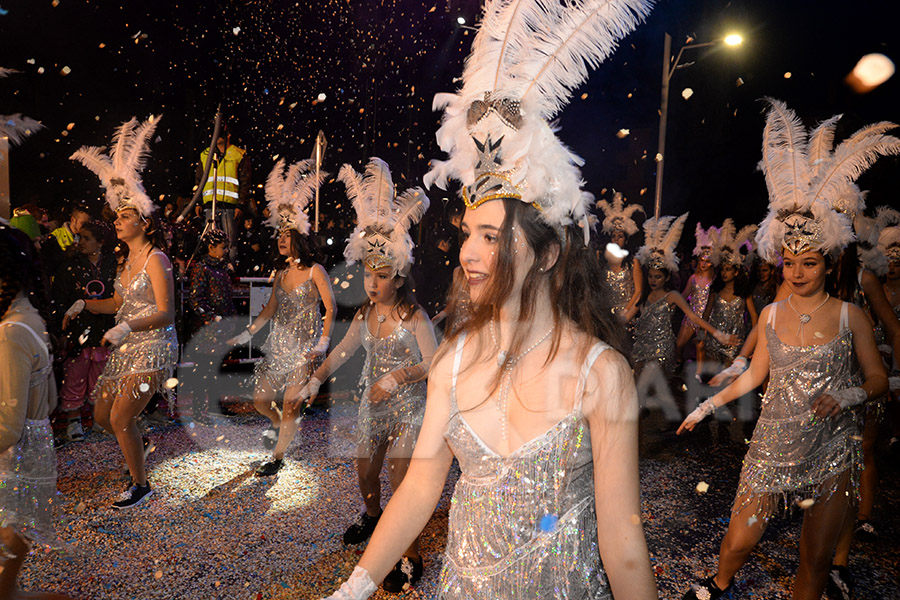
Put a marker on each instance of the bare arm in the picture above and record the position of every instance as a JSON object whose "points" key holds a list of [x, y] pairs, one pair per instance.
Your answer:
{"points": [[882, 309], [427, 343], [320, 278], [638, 276], [679, 301], [751, 310], [347, 348], [105, 306], [611, 409], [688, 287]]}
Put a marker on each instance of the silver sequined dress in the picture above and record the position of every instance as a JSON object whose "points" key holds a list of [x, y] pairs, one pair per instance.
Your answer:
{"points": [[728, 317], [296, 329], [398, 418], [697, 300], [523, 525], [150, 354], [654, 339], [794, 454], [618, 288]]}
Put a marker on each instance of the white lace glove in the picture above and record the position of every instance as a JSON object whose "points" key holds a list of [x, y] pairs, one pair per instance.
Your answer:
{"points": [[243, 337], [726, 376], [705, 409], [75, 309], [358, 586], [322, 345], [849, 396], [117, 334], [311, 388], [388, 383]]}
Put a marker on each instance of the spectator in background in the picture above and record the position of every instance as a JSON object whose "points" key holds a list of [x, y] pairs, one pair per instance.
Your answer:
{"points": [[251, 258]]}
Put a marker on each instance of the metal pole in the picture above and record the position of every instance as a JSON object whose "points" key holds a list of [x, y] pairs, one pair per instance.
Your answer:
{"points": [[663, 118], [318, 163]]}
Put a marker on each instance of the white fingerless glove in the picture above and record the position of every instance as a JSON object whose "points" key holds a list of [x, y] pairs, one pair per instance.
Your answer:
{"points": [[849, 396], [358, 586], [721, 337], [705, 409], [118, 333], [75, 309], [243, 338], [322, 346], [738, 366], [388, 383], [311, 388]]}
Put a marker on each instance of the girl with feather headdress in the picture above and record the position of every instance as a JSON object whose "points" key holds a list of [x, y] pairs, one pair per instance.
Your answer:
{"points": [[527, 392], [299, 336], [654, 341], [145, 348], [696, 290], [623, 281], [399, 341], [818, 352]]}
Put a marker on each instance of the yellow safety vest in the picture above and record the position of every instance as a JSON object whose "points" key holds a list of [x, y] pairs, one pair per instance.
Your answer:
{"points": [[64, 237], [225, 179]]}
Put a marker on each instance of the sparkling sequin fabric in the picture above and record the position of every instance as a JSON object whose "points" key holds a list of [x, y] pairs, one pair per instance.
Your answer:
{"points": [[697, 301], [28, 483], [792, 453], [296, 329], [618, 288], [150, 354], [727, 316], [523, 525], [654, 339], [398, 418]]}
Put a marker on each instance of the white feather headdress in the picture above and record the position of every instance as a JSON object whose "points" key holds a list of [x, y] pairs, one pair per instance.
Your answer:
{"points": [[706, 243], [617, 216], [660, 239], [889, 236], [526, 59], [808, 181], [288, 193], [381, 237], [120, 171], [15, 126], [734, 247]]}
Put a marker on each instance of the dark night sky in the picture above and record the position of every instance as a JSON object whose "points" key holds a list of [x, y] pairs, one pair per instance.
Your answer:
{"points": [[379, 62]]}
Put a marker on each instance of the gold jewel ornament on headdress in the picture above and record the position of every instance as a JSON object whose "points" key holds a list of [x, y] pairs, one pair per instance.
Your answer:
{"points": [[527, 58], [660, 239], [807, 181], [381, 238], [120, 171], [288, 192]]}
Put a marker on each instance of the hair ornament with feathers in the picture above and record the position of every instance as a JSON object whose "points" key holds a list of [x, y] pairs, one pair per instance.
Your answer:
{"points": [[888, 244], [660, 239], [289, 191], [733, 246], [381, 238], [526, 59], [706, 246], [617, 216], [120, 171], [810, 183]]}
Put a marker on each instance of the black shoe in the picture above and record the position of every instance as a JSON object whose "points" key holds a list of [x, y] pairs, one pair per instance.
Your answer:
{"points": [[270, 437], [406, 573], [362, 529], [267, 469], [705, 590], [840, 583], [134, 496], [865, 531]]}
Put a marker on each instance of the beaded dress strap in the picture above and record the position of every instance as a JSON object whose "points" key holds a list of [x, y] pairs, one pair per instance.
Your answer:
{"points": [[595, 351], [845, 317], [771, 319]]}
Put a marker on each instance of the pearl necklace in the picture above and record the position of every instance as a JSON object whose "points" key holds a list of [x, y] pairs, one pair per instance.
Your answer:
{"points": [[805, 317], [128, 263], [507, 364]]}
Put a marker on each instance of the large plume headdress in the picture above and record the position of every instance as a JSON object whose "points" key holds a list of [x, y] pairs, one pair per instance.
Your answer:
{"points": [[660, 239], [120, 171], [617, 216], [889, 236], [289, 191], [706, 246], [733, 246], [15, 126], [807, 181], [381, 237], [526, 59]]}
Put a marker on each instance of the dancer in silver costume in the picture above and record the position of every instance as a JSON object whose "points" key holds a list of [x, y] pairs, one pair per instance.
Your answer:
{"points": [[145, 347], [696, 290], [299, 337], [731, 311], [806, 442], [529, 391], [623, 280]]}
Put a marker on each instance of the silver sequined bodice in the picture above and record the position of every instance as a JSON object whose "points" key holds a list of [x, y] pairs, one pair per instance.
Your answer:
{"points": [[726, 316], [618, 288], [296, 328], [523, 525], [398, 350], [654, 339], [697, 301]]}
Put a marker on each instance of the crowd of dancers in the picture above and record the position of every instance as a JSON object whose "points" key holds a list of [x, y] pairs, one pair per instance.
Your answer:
{"points": [[532, 389]]}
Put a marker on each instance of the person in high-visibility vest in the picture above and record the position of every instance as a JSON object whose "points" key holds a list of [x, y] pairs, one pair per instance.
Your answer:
{"points": [[228, 182]]}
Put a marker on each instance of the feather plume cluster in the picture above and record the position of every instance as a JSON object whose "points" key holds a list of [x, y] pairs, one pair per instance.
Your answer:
{"points": [[660, 239], [383, 218], [888, 225], [526, 59], [812, 196], [120, 171], [288, 192], [617, 216], [16, 127], [733, 246], [706, 243]]}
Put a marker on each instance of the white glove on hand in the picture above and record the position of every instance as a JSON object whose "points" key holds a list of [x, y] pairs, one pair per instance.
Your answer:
{"points": [[243, 338], [726, 376], [388, 383], [117, 334], [849, 396], [894, 383], [75, 309], [358, 586], [322, 346], [705, 409], [311, 388], [722, 337]]}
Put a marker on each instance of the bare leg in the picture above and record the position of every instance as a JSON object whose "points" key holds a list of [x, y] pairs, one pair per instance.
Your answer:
{"points": [[744, 531], [821, 529], [868, 480], [289, 424], [368, 470], [263, 398], [126, 408], [103, 407], [398, 463], [684, 336]]}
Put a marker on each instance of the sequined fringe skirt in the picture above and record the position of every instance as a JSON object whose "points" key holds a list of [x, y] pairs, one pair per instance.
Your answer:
{"points": [[395, 422], [145, 357], [28, 484]]}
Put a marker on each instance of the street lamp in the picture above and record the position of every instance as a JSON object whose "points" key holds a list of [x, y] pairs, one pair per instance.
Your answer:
{"points": [[667, 71]]}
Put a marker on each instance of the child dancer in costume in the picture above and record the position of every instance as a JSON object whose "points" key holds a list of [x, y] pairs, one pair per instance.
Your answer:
{"points": [[806, 442], [399, 341], [145, 348], [298, 338], [696, 290], [623, 281], [654, 341], [527, 393]]}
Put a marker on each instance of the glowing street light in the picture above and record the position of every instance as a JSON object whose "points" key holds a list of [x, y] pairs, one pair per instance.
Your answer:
{"points": [[732, 40]]}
